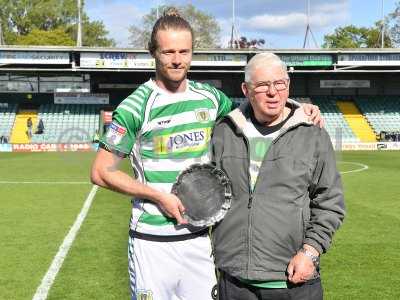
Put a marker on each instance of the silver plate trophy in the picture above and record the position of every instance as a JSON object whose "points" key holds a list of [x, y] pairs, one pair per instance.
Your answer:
{"points": [[205, 192]]}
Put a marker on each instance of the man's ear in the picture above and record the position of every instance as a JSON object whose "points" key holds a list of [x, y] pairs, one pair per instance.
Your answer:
{"points": [[245, 90]]}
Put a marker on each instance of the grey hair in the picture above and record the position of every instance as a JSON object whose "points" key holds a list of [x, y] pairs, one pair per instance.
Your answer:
{"points": [[263, 59]]}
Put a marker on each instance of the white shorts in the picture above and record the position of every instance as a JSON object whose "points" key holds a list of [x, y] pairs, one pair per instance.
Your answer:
{"points": [[181, 270]]}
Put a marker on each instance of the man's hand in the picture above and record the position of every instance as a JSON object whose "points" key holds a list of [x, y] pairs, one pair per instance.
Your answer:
{"points": [[300, 269], [314, 113], [173, 207]]}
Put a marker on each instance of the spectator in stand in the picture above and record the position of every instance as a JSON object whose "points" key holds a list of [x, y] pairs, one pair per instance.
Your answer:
{"points": [[29, 125], [40, 127], [3, 139]]}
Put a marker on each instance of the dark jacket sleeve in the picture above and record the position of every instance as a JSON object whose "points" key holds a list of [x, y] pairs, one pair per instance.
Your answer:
{"points": [[327, 208], [217, 144]]}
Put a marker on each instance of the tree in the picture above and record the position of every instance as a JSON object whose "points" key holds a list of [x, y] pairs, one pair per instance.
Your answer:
{"points": [[46, 38], [244, 43], [20, 17], [393, 20], [205, 27], [94, 33], [356, 37]]}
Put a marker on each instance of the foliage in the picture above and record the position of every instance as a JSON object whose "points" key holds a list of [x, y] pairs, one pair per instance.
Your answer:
{"points": [[20, 17], [94, 33], [394, 25], [46, 38], [205, 27], [244, 43], [356, 37]]}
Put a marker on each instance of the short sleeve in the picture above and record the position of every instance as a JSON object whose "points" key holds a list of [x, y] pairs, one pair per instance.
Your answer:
{"points": [[225, 104], [121, 133]]}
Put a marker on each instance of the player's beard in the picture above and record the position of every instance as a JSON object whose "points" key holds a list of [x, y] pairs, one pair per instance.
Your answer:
{"points": [[170, 78]]}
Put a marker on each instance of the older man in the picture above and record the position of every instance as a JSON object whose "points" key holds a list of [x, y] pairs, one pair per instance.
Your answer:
{"points": [[287, 192]]}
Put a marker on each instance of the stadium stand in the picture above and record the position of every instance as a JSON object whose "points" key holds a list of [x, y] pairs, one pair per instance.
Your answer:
{"points": [[19, 132], [382, 113], [7, 118], [335, 122], [73, 123], [356, 121], [334, 119], [67, 123]]}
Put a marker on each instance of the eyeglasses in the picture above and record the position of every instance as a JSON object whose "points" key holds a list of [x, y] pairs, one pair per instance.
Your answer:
{"points": [[264, 87]]}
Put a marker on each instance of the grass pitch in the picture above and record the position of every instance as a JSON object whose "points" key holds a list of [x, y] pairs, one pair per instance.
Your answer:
{"points": [[36, 217]]}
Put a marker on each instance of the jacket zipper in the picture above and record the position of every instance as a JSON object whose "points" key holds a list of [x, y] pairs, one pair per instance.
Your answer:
{"points": [[249, 206], [250, 201]]}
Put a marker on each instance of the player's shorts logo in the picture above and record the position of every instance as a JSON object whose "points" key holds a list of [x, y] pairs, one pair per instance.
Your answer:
{"points": [[214, 292], [144, 295]]}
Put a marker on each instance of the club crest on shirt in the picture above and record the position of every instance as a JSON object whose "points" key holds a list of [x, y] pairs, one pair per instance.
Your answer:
{"points": [[202, 115], [115, 133], [144, 295]]}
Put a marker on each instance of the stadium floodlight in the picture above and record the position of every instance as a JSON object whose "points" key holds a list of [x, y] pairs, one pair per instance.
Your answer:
{"points": [[308, 28], [234, 34], [79, 35], [1, 34], [383, 27]]}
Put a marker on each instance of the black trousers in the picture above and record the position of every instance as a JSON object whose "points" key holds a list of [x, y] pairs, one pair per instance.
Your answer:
{"points": [[230, 288]]}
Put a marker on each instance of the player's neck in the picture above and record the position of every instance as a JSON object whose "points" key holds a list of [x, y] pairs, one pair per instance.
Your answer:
{"points": [[171, 86]]}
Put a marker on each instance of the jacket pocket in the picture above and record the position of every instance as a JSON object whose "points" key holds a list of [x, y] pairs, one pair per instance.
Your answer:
{"points": [[230, 248], [297, 231], [284, 179], [278, 233]]}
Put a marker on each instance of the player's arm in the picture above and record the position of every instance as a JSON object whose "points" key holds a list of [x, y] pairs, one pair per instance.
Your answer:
{"points": [[115, 144], [105, 173], [224, 103]]}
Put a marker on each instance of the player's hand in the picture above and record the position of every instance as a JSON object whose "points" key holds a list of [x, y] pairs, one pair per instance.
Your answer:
{"points": [[300, 268], [314, 113], [173, 207]]}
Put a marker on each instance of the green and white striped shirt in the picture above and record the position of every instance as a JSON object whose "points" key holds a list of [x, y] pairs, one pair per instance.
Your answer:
{"points": [[164, 133]]}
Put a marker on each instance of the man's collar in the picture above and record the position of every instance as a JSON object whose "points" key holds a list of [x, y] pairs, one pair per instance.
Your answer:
{"points": [[240, 115]]}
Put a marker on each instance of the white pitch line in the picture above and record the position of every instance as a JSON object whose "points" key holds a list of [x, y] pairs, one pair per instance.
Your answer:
{"points": [[44, 182], [48, 279], [362, 167]]}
